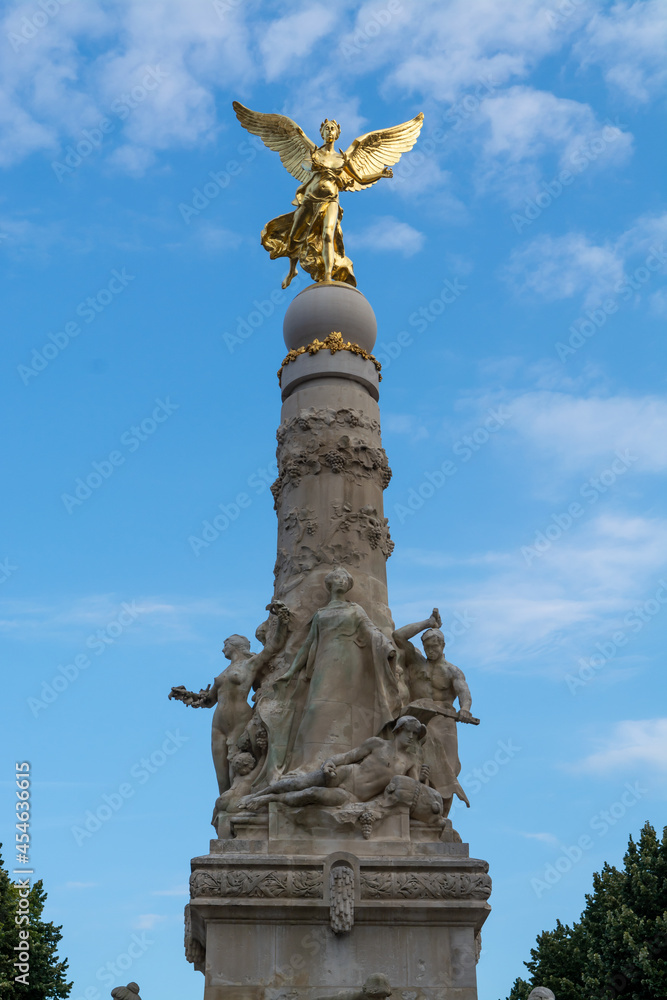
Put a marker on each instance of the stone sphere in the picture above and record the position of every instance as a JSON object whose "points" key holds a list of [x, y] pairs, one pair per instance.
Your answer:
{"points": [[327, 307]]}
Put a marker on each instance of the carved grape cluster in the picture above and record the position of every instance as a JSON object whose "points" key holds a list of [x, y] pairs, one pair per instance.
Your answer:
{"points": [[335, 461], [366, 824], [374, 536]]}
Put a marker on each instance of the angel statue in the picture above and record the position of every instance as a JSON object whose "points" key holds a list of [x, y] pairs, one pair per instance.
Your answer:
{"points": [[312, 235]]}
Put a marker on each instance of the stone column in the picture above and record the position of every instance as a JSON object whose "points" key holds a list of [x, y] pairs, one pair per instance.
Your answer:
{"points": [[332, 468], [300, 898]]}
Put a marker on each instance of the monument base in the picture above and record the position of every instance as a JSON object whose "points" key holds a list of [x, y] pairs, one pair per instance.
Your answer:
{"points": [[300, 925]]}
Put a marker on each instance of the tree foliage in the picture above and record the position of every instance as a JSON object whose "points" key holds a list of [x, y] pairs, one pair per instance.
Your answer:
{"points": [[618, 949], [46, 978]]}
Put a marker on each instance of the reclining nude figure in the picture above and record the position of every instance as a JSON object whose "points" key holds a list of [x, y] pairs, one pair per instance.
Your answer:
{"points": [[358, 775]]}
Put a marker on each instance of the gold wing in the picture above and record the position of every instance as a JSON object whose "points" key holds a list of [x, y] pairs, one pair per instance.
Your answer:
{"points": [[280, 134], [383, 148]]}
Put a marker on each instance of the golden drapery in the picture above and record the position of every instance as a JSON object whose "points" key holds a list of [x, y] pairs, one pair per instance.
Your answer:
{"points": [[306, 243]]}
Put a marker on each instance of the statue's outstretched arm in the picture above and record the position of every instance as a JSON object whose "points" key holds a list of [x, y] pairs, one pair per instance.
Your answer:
{"points": [[205, 698], [402, 635], [274, 645], [357, 754], [370, 178]]}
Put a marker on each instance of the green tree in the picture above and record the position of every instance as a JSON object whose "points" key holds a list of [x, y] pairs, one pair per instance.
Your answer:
{"points": [[618, 949], [46, 978]]}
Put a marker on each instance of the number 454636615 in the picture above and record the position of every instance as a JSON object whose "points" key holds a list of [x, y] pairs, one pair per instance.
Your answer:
{"points": [[22, 836]]}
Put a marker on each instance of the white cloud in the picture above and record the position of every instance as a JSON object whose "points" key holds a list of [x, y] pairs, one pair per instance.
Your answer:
{"points": [[658, 303], [156, 620], [541, 610], [147, 921], [583, 434], [179, 890], [53, 88], [133, 160], [216, 239], [404, 423], [463, 54], [20, 134], [628, 41], [633, 744], [460, 44], [522, 125], [291, 38], [563, 267], [22, 238], [543, 614], [648, 233], [391, 235], [544, 838]]}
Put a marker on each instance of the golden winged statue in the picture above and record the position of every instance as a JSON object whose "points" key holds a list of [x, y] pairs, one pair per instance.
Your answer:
{"points": [[312, 234]]}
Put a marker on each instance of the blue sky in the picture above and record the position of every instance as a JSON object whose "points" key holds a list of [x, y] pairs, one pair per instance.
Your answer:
{"points": [[535, 204]]}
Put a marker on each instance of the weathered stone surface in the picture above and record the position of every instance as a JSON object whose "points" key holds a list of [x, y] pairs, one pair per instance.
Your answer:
{"points": [[332, 471], [327, 306], [339, 690], [434, 685], [265, 883], [324, 365], [129, 992], [266, 923], [335, 862], [229, 695]]}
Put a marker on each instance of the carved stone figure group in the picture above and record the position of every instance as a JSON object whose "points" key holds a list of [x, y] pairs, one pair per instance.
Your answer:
{"points": [[357, 722]]}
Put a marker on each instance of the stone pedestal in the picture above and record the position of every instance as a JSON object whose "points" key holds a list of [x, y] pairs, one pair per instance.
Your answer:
{"points": [[265, 926]]}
